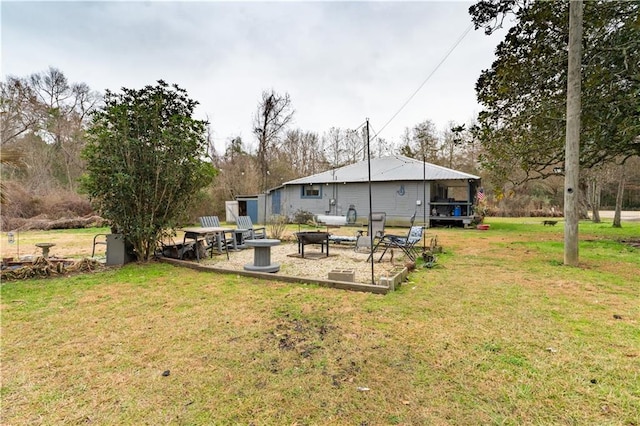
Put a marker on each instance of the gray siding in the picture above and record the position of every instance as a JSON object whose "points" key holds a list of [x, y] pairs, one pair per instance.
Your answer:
{"points": [[396, 199], [397, 183]]}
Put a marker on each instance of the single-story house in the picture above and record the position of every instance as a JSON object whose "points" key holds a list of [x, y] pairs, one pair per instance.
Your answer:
{"points": [[400, 187]]}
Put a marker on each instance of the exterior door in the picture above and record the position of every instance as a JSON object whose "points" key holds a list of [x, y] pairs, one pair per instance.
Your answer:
{"points": [[275, 202], [252, 210]]}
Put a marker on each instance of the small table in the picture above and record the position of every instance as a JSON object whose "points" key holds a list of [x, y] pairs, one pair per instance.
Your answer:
{"points": [[262, 255], [238, 238], [198, 234], [45, 248]]}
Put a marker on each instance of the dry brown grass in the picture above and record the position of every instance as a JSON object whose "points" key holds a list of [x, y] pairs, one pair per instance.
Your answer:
{"points": [[73, 243]]}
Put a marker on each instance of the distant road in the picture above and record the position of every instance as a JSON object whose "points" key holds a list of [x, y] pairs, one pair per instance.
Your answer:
{"points": [[624, 215]]}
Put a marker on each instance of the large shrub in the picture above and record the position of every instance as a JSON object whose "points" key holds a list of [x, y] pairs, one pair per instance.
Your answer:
{"points": [[144, 162]]}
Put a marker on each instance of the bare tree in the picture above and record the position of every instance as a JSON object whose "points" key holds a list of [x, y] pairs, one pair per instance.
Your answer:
{"points": [[273, 115], [45, 110], [594, 179], [382, 147], [622, 177], [343, 146], [63, 125], [237, 176], [594, 191], [332, 146], [20, 111], [11, 158], [354, 144], [302, 152], [422, 142]]}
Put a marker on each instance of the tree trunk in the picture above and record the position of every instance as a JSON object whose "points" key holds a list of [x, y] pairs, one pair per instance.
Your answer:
{"points": [[617, 223], [583, 201], [595, 200]]}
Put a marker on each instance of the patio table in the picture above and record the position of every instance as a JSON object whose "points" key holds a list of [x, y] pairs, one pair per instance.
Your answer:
{"points": [[201, 233]]}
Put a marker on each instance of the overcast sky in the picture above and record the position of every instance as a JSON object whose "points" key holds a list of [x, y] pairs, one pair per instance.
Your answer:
{"points": [[340, 62]]}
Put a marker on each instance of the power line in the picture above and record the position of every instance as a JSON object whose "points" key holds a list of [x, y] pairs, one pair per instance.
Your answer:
{"points": [[464, 34], [360, 126]]}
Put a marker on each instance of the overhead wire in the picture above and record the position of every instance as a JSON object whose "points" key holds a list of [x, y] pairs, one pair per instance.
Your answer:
{"points": [[449, 52], [360, 126], [361, 151]]}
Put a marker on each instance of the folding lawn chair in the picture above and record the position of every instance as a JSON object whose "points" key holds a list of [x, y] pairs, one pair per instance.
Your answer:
{"points": [[375, 230], [406, 243]]}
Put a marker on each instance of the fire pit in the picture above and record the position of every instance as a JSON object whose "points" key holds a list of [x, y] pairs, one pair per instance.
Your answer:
{"points": [[312, 237]]}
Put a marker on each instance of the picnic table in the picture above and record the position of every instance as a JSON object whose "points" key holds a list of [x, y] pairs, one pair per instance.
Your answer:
{"points": [[200, 234]]}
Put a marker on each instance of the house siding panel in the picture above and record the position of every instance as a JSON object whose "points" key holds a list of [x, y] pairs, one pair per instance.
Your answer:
{"points": [[397, 199]]}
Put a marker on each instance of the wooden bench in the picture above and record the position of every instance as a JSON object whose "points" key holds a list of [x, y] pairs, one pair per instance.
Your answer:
{"points": [[549, 222]]}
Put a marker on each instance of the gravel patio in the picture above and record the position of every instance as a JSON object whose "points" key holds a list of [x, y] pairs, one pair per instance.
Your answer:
{"points": [[315, 264]]}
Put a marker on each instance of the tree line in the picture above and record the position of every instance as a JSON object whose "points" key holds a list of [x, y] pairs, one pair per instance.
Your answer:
{"points": [[515, 144], [47, 119]]}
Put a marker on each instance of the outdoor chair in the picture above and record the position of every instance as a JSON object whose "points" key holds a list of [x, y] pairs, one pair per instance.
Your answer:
{"points": [[405, 243], [98, 239], [251, 233], [210, 222], [212, 242], [375, 230]]}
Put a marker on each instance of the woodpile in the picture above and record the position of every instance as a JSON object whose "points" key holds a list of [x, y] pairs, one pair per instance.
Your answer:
{"points": [[44, 223], [42, 268]]}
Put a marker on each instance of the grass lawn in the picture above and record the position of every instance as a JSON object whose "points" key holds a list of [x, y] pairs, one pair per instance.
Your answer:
{"points": [[500, 332]]}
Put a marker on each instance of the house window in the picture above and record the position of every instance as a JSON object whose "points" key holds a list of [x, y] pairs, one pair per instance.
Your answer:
{"points": [[311, 191]]}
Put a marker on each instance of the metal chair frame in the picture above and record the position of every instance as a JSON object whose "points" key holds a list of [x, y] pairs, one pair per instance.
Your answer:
{"points": [[95, 243], [375, 230], [405, 243]]}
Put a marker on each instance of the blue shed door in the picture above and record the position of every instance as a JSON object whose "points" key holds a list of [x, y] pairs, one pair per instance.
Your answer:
{"points": [[252, 210], [275, 202]]}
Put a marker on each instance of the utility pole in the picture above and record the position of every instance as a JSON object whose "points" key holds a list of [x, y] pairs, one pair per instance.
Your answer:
{"points": [[371, 236], [572, 143]]}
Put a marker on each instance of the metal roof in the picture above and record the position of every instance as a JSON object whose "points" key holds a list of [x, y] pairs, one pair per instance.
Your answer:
{"points": [[384, 169]]}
